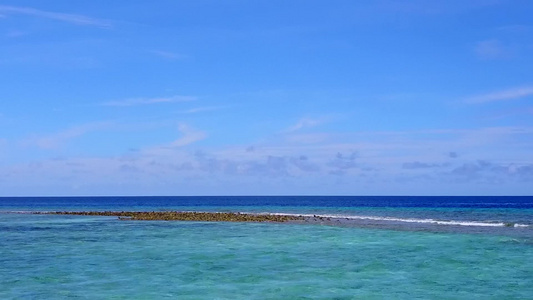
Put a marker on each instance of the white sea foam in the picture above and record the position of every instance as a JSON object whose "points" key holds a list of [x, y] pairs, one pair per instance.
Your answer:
{"points": [[521, 225], [410, 220], [358, 217]]}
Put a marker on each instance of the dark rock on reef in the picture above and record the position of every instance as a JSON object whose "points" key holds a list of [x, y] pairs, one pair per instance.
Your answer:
{"points": [[186, 216]]}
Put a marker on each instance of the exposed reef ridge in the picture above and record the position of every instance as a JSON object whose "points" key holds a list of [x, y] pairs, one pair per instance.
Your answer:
{"points": [[185, 216], [424, 225]]}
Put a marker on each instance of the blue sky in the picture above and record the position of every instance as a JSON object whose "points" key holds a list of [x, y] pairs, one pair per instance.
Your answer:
{"points": [[273, 97]]}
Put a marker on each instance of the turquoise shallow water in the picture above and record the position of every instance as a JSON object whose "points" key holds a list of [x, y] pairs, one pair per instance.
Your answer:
{"points": [[75, 257]]}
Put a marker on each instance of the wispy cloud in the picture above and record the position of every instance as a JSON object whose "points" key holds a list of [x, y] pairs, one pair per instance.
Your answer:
{"points": [[169, 55], [69, 18], [59, 138], [343, 162], [15, 34], [355, 164], [189, 136], [514, 93], [424, 7], [492, 49], [516, 28], [148, 101], [305, 123], [201, 109], [422, 165], [309, 138]]}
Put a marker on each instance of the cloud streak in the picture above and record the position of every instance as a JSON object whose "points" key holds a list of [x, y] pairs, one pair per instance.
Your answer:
{"points": [[148, 101], [421, 165], [304, 123], [175, 169], [190, 135], [169, 55], [492, 49], [56, 140], [68, 18], [351, 164], [510, 94], [201, 109]]}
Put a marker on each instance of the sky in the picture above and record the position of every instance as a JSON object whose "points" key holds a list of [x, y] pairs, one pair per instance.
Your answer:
{"points": [[266, 97]]}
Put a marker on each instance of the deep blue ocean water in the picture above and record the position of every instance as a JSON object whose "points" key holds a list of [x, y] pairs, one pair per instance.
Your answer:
{"points": [[389, 248], [524, 202]]}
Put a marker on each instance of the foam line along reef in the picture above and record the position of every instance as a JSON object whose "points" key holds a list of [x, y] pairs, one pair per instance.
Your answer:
{"points": [[269, 217]]}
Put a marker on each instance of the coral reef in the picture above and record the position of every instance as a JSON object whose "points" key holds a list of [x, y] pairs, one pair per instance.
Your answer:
{"points": [[186, 216]]}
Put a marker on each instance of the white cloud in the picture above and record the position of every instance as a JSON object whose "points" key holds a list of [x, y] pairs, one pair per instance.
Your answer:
{"points": [[57, 139], [491, 172], [201, 109], [516, 28], [305, 123], [190, 135], [422, 165], [148, 101], [349, 163], [308, 138], [169, 55], [492, 49], [514, 93], [15, 33], [69, 18], [171, 152]]}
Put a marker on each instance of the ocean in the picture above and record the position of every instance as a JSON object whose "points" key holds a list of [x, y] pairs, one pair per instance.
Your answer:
{"points": [[372, 248]]}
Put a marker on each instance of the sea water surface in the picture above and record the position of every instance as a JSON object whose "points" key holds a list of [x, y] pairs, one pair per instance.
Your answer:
{"points": [[389, 248]]}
